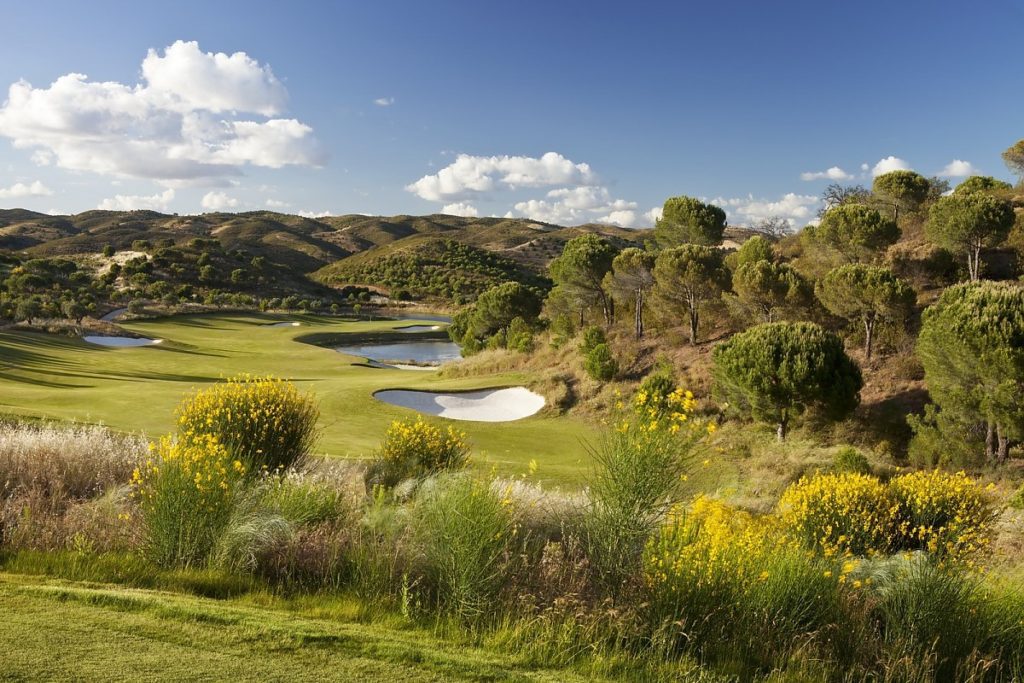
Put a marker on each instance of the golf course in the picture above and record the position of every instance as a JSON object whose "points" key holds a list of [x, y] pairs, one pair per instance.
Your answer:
{"points": [[136, 388]]}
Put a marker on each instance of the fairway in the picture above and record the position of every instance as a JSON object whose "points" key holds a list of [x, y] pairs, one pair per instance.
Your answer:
{"points": [[137, 389]]}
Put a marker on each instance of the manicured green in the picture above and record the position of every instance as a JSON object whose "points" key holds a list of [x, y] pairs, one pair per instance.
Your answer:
{"points": [[136, 389]]}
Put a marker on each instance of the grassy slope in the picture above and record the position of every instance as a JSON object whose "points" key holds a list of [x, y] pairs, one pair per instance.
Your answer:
{"points": [[55, 630], [138, 389]]}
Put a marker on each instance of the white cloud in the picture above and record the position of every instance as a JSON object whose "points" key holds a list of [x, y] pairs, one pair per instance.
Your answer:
{"points": [[889, 164], [470, 175], [277, 204], [833, 173], [124, 202], [460, 209], [315, 214], [959, 168], [623, 218], [218, 201], [180, 124], [654, 215], [583, 204], [384, 101], [18, 190], [864, 167], [797, 209]]}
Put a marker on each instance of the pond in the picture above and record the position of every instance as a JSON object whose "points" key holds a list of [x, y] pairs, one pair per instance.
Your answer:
{"points": [[413, 353], [486, 405], [121, 342]]}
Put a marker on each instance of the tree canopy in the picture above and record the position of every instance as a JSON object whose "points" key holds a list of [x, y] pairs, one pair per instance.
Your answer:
{"points": [[685, 220], [858, 232], [867, 294], [770, 289], [631, 279], [581, 269], [1014, 158], [774, 371], [757, 248], [688, 278], [969, 222], [983, 183], [972, 349], [904, 190]]}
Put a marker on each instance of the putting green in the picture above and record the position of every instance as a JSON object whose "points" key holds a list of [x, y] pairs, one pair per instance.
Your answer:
{"points": [[137, 389]]}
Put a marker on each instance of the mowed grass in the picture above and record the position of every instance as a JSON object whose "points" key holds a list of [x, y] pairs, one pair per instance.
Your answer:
{"points": [[57, 630], [137, 389]]}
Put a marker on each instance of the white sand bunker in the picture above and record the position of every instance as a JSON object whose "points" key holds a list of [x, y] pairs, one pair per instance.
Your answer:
{"points": [[488, 405], [282, 324], [418, 328], [121, 342]]}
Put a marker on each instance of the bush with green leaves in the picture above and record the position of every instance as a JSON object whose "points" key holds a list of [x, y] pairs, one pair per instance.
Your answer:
{"points": [[413, 449], [463, 532], [592, 337], [600, 363], [850, 460], [775, 371]]}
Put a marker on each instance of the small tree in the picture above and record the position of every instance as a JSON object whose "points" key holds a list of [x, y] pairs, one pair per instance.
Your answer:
{"points": [[857, 292], [968, 223], [685, 220], [983, 183], [768, 288], [581, 269], [687, 279], [632, 277], [755, 249], [856, 231], [497, 307], [902, 190], [775, 371], [72, 309], [600, 364]]}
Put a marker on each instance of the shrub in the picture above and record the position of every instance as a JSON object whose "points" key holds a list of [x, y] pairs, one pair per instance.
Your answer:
{"points": [[186, 492], [520, 336], [850, 461], [592, 337], [463, 532], [656, 390], [415, 449], [839, 514], [640, 469], [264, 422], [1017, 499], [945, 514], [600, 364]]}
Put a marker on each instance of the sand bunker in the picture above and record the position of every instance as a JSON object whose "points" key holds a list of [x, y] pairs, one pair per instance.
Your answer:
{"points": [[488, 405], [121, 342], [418, 328], [282, 324]]}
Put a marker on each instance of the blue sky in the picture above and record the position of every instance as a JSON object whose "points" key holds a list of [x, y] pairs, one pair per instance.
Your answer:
{"points": [[367, 107]]}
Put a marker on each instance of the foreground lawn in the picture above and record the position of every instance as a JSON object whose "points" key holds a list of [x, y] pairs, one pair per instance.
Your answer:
{"points": [[136, 389], [54, 630]]}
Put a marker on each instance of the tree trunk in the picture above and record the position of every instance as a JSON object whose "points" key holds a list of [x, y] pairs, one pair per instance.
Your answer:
{"points": [[869, 333], [639, 313], [990, 441], [609, 311], [1003, 450], [974, 263], [780, 432], [694, 321], [582, 320]]}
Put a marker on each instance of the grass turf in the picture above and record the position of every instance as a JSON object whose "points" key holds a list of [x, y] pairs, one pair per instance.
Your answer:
{"points": [[135, 389], [59, 630]]}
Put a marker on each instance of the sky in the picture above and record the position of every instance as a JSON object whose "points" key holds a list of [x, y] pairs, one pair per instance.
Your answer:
{"points": [[567, 112]]}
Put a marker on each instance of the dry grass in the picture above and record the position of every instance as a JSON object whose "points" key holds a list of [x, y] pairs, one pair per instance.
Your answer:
{"points": [[75, 462]]}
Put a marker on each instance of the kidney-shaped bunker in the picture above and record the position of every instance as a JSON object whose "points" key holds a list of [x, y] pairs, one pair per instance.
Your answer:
{"points": [[487, 405]]}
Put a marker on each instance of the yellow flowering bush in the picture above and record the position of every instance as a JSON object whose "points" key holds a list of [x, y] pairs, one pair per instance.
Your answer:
{"points": [[840, 514], [263, 421], [185, 491], [416, 448], [942, 513], [856, 514]]}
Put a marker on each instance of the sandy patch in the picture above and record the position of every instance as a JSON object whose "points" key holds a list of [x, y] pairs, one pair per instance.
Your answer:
{"points": [[488, 405], [120, 342]]}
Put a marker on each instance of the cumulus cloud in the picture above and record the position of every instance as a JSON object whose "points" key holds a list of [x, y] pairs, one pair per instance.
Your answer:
{"points": [[133, 202], [471, 175], [586, 203], [623, 218], [218, 201], [315, 214], [833, 173], [460, 209], [189, 120], [384, 101], [889, 164], [958, 168], [19, 190], [797, 209], [277, 204], [654, 215]]}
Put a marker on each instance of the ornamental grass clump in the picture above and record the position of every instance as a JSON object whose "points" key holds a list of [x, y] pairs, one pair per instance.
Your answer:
{"points": [[186, 492], [416, 449], [263, 421]]}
